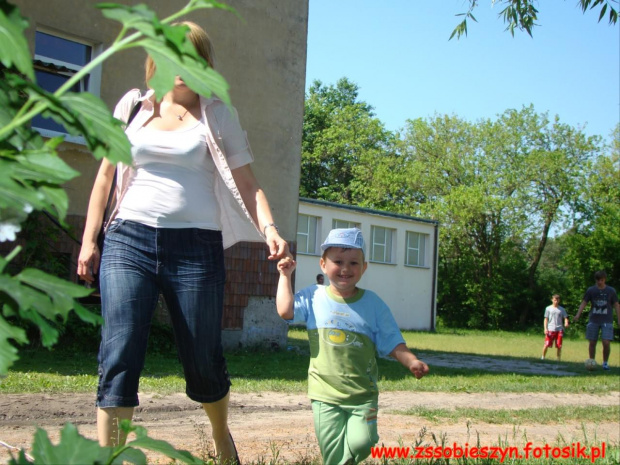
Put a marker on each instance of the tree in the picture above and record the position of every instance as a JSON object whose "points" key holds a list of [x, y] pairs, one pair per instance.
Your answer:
{"points": [[522, 14], [497, 188], [593, 243], [343, 143]]}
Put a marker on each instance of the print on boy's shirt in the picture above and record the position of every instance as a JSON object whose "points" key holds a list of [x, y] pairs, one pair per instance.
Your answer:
{"points": [[599, 306], [339, 333]]}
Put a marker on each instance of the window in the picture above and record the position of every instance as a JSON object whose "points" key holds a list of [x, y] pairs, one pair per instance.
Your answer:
{"points": [[56, 60], [381, 240], [307, 227], [415, 254], [342, 224]]}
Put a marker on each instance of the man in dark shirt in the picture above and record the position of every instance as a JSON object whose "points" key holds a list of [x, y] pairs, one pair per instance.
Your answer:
{"points": [[603, 299]]}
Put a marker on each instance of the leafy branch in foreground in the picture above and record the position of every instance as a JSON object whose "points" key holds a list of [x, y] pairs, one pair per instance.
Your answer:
{"points": [[522, 14], [74, 449], [32, 175]]}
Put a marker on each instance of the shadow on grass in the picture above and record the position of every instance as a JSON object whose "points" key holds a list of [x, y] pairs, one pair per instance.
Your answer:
{"points": [[291, 364]]}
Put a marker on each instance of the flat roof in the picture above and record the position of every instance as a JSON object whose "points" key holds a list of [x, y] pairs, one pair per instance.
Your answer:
{"points": [[370, 211]]}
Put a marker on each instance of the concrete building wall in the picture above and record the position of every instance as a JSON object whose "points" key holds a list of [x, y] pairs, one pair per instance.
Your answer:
{"points": [[409, 291], [262, 55]]}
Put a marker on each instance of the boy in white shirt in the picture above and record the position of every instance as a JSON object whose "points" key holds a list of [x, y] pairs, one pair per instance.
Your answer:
{"points": [[554, 331]]}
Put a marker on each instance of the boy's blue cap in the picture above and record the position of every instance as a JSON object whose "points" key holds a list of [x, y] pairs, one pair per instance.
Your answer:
{"points": [[350, 238]]}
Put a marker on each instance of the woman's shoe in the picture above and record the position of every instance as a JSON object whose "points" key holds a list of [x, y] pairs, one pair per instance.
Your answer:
{"points": [[236, 460]]}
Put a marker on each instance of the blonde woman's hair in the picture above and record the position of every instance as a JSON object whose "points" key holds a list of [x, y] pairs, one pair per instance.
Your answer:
{"points": [[198, 37]]}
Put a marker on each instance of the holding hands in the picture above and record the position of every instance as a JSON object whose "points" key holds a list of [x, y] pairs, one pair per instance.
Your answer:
{"points": [[286, 266]]}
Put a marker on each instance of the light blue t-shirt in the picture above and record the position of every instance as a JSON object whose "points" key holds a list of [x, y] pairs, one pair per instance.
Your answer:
{"points": [[345, 335]]}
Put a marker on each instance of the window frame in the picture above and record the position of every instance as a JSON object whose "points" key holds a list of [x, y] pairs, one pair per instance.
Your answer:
{"points": [[94, 77], [307, 233], [388, 248], [421, 250], [350, 224]]}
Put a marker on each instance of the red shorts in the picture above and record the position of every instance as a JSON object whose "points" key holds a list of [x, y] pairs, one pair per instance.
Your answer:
{"points": [[554, 336]]}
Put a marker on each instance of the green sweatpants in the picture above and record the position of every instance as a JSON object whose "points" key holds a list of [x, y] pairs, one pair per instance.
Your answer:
{"points": [[345, 432]]}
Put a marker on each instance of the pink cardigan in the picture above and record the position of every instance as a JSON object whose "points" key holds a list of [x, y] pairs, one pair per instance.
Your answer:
{"points": [[237, 223]]}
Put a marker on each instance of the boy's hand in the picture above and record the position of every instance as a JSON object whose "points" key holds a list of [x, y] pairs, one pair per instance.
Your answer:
{"points": [[286, 266], [418, 368]]}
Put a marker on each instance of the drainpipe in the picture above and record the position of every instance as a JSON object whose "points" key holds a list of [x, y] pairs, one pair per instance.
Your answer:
{"points": [[434, 285]]}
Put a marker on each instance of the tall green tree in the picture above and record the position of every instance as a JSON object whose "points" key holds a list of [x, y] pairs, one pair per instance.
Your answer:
{"points": [[343, 143], [497, 187], [593, 243]]}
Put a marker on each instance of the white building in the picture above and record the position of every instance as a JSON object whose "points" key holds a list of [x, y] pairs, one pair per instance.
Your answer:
{"points": [[401, 252]]}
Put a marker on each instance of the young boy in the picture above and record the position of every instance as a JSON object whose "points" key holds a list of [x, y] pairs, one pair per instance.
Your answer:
{"points": [[553, 326], [346, 326]]}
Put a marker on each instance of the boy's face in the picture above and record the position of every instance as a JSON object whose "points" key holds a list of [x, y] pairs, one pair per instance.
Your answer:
{"points": [[555, 300], [344, 268]]}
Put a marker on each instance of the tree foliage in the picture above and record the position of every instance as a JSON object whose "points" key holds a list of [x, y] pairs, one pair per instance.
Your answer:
{"points": [[500, 188], [342, 139], [593, 243], [522, 14], [497, 187]]}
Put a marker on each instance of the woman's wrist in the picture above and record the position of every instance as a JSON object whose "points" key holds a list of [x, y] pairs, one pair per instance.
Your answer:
{"points": [[270, 226]]}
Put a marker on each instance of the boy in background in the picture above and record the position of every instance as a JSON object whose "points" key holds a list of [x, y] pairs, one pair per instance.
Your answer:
{"points": [[554, 331], [346, 327]]}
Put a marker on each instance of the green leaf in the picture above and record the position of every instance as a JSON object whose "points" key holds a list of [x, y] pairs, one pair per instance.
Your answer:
{"points": [[49, 334], [44, 165], [103, 133], [130, 455], [603, 10], [196, 73], [25, 297], [136, 17], [8, 352], [57, 197], [72, 449], [61, 291], [21, 459], [86, 315], [13, 45], [163, 447]]}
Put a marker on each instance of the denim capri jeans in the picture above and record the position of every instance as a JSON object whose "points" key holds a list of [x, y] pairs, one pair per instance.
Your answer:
{"points": [[187, 267]]}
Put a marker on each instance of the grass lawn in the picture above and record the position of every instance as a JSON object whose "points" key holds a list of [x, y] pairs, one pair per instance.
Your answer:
{"points": [[64, 371], [67, 370]]}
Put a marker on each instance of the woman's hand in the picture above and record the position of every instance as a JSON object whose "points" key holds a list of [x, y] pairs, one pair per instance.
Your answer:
{"points": [[278, 247], [88, 262]]}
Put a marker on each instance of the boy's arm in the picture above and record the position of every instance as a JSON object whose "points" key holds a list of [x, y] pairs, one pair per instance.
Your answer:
{"points": [[284, 295], [417, 367], [545, 325]]}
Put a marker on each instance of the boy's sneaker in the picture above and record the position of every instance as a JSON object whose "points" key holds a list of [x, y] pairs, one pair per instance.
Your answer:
{"points": [[606, 366], [542, 358]]}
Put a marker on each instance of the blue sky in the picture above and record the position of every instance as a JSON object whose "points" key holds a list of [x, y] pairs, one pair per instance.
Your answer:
{"points": [[398, 53]]}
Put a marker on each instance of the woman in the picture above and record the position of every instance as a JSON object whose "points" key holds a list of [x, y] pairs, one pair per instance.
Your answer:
{"points": [[190, 194]]}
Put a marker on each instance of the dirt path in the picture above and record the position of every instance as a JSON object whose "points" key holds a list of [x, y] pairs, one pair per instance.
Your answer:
{"points": [[264, 422], [260, 419]]}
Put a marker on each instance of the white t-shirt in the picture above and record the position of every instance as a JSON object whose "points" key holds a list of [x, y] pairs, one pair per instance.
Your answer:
{"points": [[173, 186], [555, 318]]}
